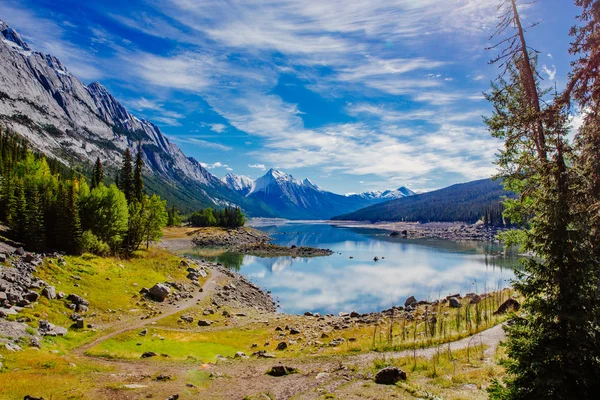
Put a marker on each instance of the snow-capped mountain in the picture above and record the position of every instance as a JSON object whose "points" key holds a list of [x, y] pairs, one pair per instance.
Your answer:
{"points": [[385, 194], [295, 199], [239, 183], [41, 100]]}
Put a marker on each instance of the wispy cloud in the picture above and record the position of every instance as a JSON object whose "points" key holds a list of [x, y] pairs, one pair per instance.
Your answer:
{"points": [[200, 143], [48, 36], [551, 73], [257, 166], [217, 164]]}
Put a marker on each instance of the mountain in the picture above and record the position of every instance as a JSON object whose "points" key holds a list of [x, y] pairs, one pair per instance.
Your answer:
{"points": [[239, 183], [385, 194], [466, 202], [294, 199], [76, 123]]}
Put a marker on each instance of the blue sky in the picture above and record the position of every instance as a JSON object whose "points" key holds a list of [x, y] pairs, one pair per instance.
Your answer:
{"points": [[357, 95]]}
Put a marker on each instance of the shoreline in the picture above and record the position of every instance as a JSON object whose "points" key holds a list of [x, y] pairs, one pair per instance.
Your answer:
{"points": [[243, 240]]}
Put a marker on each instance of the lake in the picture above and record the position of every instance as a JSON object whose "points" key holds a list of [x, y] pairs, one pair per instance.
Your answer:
{"points": [[350, 280]]}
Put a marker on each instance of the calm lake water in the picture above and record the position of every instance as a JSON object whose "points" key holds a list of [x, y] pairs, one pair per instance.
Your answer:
{"points": [[425, 268]]}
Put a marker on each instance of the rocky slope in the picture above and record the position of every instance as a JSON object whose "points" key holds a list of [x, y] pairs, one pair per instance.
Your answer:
{"points": [[41, 100]]}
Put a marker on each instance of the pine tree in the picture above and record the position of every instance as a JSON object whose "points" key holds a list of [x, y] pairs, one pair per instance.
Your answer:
{"points": [[72, 241], [552, 346], [35, 235], [18, 212], [126, 177], [138, 180], [97, 173]]}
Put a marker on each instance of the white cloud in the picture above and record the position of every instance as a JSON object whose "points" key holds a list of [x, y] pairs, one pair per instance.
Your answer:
{"points": [[217, 164], [219, 128], [200, 143], [550, 72], [257, 166], [47, 36]]}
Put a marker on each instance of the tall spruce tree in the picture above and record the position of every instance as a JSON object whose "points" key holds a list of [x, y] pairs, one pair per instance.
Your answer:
{"points": [[126, 177], [138, 180], [72, 241], [97, 173], [552, 346]]}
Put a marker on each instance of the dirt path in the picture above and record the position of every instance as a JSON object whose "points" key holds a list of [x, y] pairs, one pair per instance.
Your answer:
{"points": [[489, 338], [126, 326]]}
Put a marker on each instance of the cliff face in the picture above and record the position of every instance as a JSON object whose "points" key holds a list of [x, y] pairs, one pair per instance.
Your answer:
{"points": [[62, 117]]}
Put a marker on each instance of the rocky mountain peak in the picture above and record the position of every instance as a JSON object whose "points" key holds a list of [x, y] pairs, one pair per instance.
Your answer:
{"points": [[12, 36]]}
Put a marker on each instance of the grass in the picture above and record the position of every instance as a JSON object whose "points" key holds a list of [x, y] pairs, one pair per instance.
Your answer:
{"points": [[204, 347], [42, 372], [462, 374]]}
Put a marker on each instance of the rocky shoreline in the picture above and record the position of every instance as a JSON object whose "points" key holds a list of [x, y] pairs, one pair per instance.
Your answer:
{"points": [[253, 242], [433, 230]]}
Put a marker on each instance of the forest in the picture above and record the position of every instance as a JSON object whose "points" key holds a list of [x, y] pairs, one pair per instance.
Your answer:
{"points": [[467, 202], [48, 206], [229, 217]]}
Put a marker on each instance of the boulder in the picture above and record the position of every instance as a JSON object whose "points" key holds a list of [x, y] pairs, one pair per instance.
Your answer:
{"points": [[187, 318], [159, 292], [32, 296], [49, 292], [453, 302], [19, 252], [390, 376], [149, 354], [240, 354], [510, 304], [281, 370], [282, 346], [204, 323], [78, 300], [409, 301], [2, 257], [79, 324], [47, 329]]}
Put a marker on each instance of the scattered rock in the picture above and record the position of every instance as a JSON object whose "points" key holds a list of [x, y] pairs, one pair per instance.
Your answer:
{"points": [[409, 301], [282, 346], [390, 376], [144, 332], [453, 302], [187, 318], [149, 354], [281, 370], [159, 292], [47, 329], [240, 354], [510, 304], [203, 323], [163, 377], [49, 292]]}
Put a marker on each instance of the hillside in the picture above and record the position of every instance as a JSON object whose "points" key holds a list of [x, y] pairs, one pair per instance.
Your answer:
{"points": [[60, 116], [466, 202]]}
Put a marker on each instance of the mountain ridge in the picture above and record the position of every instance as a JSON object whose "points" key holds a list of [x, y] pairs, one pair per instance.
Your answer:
{"points": [[303, 199], [463, 202]]}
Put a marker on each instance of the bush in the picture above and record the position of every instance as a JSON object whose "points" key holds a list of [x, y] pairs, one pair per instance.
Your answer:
{"points": [[91, 244]]}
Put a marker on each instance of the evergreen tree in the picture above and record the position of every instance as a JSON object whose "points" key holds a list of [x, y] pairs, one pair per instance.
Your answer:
{"points": [[35, 236], [138, 180], [552, 346], [72, 222], [18, 212], [126, 177], [97, 173]]}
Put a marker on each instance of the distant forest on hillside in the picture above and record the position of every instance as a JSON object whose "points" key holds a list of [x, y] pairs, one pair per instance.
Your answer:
{"points": [[465, 202]]}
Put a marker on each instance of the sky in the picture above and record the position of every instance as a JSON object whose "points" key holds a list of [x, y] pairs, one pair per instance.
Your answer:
{"points": [[356, 95]]}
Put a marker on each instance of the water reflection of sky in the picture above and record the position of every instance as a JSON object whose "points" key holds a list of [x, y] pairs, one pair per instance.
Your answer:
{"points": [[427, 269]]}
